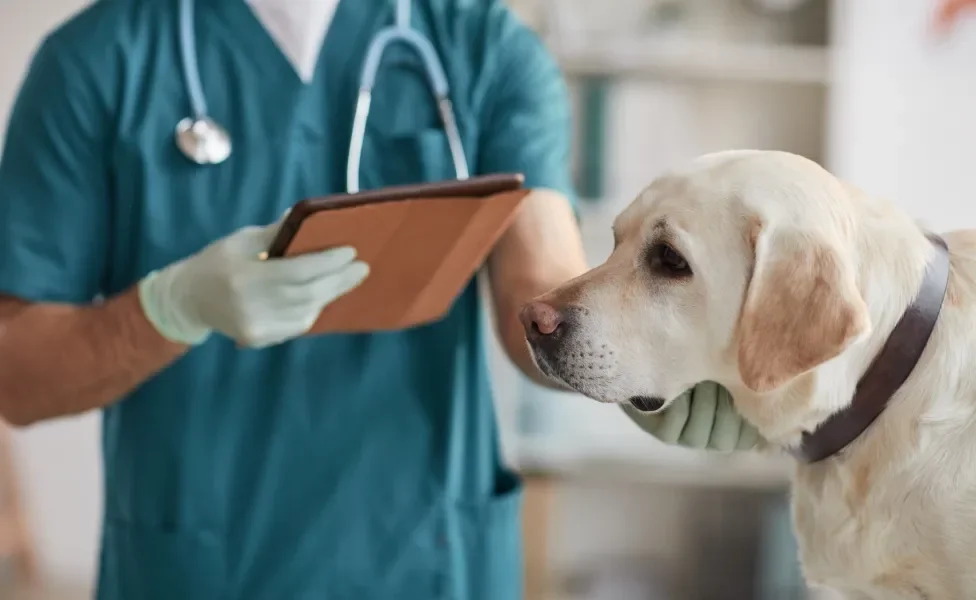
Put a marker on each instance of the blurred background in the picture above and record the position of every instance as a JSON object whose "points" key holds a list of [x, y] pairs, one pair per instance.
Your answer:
{"points": [[862, 86]]}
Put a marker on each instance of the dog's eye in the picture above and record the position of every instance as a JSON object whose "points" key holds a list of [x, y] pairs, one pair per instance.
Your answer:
{"points": [[667, 261]]}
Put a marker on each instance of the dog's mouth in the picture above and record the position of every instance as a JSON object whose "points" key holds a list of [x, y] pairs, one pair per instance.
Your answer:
{"points": [[644, 404], [647, 404]]}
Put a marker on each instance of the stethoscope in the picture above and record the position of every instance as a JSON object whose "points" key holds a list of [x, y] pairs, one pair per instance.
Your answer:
{"points": [[205, 142]]}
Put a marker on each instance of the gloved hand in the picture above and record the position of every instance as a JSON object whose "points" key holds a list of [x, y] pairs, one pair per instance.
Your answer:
{"points": [[701, 418], [227, 288]]}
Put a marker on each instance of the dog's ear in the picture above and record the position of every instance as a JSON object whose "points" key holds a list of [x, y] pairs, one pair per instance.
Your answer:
{"points": [[802, 308]]}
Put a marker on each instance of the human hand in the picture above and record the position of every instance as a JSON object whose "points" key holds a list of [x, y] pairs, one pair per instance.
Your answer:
{"points": [[227, 288], [701, 418]]}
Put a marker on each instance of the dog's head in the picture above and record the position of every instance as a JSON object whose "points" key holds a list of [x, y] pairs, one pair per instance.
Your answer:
{"points": [[736, 269]]}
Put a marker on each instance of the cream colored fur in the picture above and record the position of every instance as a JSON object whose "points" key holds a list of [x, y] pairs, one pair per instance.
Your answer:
{"points": [[797, 280]]}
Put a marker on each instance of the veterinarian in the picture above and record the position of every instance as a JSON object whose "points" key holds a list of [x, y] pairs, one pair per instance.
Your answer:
{"points": [[148, 155]]}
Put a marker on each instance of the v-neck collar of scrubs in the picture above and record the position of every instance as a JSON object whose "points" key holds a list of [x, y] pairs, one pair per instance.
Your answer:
{"points": [[246, 28], [298, 27], [301, 119]]}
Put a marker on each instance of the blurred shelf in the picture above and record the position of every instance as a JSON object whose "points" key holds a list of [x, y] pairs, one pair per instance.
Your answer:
{"points": [[770, 63]]}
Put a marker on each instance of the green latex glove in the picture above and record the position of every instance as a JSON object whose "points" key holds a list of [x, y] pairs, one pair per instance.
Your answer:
{"points": [[227, 288], [701, 418]]}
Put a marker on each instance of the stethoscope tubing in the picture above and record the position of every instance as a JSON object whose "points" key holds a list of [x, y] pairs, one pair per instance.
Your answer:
{"points": [[188, 56], [399, 32]]}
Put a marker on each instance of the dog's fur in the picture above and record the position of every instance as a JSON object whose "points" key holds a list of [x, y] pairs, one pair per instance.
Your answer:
{"points": [[796, 281]]}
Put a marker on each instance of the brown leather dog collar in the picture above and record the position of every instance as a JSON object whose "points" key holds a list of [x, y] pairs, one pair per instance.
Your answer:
{"points": [[890, 368]]}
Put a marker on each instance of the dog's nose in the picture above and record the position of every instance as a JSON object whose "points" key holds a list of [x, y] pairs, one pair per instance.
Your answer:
{"points": [[541, 321]]}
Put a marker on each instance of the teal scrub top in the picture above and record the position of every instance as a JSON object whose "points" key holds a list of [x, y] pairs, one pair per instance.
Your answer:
{"points": [[346, 466]]}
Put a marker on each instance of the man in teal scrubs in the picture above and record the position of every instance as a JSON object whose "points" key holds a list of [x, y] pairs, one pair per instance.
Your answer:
{"points": [[242, 461]]}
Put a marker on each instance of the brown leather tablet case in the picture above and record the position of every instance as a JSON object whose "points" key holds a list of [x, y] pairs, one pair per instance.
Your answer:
{"points": [[423, 244]]}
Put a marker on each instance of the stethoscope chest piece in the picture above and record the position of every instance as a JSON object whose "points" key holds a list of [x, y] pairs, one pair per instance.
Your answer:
{"points": [[203, 141]]}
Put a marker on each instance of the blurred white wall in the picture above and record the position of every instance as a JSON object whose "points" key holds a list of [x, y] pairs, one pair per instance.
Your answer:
{"points": [[903, 108], [59, 462]]}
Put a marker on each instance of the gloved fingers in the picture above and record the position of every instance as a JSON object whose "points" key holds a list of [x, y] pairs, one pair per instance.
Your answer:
{"points": [[666, 425], [728, 424], [310, 296], [748, 437], [267, 234], [307, 268], [332, 287], [649, 423], [279, 325], [284, 326], [674, 419], [252, 242], [704, 400], [279, 317]]}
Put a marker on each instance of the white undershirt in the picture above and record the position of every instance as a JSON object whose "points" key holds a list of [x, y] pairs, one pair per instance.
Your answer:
{"points": [[298, 27]]}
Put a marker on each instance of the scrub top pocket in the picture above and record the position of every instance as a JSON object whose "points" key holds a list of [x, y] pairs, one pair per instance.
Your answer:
{"points": [[405, 159], [490, 544]]}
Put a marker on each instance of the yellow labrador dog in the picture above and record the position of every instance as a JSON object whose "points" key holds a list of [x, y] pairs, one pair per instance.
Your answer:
{"points": [[844, 332]]}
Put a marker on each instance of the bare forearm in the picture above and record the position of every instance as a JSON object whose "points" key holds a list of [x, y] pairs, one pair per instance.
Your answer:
{"points": [[540, 251], [58, 360]]}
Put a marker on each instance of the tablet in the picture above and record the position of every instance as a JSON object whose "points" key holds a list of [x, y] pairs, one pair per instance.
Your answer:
{"points": [[423, 244]]}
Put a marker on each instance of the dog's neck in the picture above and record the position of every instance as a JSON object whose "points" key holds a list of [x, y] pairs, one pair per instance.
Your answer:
{"points": [[892, 254], [891, 366]]}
